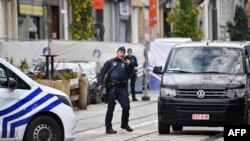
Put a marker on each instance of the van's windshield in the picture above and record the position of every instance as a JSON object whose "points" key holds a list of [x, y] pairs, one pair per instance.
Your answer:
{"points": [[206, 60]]}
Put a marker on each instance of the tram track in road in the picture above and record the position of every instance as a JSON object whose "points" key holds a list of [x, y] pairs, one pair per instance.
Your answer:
{"points": [[143, 135], [145, 125], [101, 126], [152, 134], [215, 137], [100, 115], [210, 138]]}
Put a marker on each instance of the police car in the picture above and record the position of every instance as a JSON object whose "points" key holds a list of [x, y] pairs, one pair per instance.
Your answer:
{"points": [[30, 111]]}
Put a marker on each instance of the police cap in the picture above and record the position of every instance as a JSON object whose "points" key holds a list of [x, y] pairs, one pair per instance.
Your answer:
{"points": [[129, 50], [122, 48]]}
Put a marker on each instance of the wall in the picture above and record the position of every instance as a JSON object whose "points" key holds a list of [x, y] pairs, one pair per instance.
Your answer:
{"points": [[8, 19], [1, 20]]}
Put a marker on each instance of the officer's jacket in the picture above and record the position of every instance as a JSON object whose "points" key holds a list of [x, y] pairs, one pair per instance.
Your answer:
{"points": [[132, 59], [115, 69]]}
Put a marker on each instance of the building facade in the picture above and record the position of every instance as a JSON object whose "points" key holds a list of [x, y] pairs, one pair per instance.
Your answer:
{"points": [[8, 20], [116, 21], [120, 20], [39, 19], [215, 16], [123, 20], [33, 19]]}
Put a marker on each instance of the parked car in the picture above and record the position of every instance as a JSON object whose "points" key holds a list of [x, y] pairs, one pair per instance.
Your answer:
{"points": [[91, 69], [80, 67], [70, 66], [37, 71]]}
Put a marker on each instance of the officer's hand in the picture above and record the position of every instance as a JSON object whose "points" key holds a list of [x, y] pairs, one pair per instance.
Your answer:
{"points": [[99, 88], [128, 61]]}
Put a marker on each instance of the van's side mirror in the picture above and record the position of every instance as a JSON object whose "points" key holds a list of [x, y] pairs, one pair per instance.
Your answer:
{"points": [[158, 70], [12, 84]]}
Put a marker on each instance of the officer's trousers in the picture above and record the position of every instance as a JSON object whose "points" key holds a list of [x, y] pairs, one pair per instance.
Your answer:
{"points": [[132, 85], [121, 95]]}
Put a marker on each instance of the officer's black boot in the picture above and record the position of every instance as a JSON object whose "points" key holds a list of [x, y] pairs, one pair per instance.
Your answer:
{"points": [[127, 127], [111, 131], [125, 119], [133, 97]]}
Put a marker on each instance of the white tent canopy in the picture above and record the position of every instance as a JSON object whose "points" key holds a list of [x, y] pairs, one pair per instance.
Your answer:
{"points": [[68, 50], [159, 50]]}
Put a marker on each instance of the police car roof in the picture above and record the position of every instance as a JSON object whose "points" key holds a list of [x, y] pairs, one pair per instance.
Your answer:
{"points": [[211, 44]]}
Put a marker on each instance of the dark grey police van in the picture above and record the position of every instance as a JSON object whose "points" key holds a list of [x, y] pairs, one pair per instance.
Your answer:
{"points": [[204, 84]]}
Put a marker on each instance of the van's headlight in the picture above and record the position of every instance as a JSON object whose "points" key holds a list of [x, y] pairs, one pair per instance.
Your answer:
{"points": [[235, 92], [166, 92]]}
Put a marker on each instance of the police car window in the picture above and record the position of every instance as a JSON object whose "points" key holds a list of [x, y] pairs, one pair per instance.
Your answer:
{"points": [[20, 83], [6, 73], [3, 77]]}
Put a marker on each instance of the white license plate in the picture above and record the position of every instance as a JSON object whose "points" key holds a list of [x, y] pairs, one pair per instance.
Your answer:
{"points": [[200, 116]]}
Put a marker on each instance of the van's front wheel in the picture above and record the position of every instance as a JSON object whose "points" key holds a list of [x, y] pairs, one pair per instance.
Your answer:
{"points": [[163, 128], [43, 128]]}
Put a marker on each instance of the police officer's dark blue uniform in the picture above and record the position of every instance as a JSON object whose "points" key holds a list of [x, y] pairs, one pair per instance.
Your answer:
{"points": [[118, 71], [133, 76]]}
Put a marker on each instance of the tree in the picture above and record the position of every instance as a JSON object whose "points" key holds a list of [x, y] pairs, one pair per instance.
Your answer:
{"points": [[184, 19], [239, 30], [82, 26]]}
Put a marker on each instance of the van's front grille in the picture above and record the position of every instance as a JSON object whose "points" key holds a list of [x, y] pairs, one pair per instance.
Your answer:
{"points": [[209, 94], [201, 108]]}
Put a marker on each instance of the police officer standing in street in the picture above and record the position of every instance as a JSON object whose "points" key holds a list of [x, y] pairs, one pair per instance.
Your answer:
{"points": [[133, 76], [114, 75]]}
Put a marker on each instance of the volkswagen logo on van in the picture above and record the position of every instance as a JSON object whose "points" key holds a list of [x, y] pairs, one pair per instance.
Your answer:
{"points": [[200, 94]]}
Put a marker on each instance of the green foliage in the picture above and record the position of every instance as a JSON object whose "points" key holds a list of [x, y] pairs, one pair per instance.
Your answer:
{"points": [[65, 75], [24, 65], [10, 60], [82, 27], [239, 30], [184, 19]]}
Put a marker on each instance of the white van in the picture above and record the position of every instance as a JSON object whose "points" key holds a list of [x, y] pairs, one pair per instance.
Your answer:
{"points": [[30, 111]]}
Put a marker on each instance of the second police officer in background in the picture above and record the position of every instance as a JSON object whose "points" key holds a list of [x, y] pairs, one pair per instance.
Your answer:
{"points": [[133, 76], [114, 75]]}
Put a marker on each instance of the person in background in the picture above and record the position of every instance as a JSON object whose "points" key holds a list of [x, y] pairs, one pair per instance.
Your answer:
{"points": [[114, 75], [133, 76]]}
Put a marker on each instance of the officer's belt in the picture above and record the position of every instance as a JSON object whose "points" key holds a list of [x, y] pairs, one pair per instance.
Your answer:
{"points": [[118, 83]]}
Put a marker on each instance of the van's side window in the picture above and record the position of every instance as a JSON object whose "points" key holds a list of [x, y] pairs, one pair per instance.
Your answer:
{"points": [[5, 73]]}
